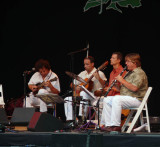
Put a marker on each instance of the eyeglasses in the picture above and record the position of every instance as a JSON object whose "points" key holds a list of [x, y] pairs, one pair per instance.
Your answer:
{"points": [[129, 61]]}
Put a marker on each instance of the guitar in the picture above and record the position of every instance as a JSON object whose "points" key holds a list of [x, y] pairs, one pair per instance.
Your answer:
{"points": [[40, 85], [89, 83]]}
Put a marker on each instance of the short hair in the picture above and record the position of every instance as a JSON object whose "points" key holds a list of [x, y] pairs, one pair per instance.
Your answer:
{"points": [[119, 55], [92, 60], [42, 63], [135, 58]]}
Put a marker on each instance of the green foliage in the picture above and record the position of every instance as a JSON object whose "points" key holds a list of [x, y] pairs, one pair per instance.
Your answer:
{"points": [[94, 3], [112, 4]]}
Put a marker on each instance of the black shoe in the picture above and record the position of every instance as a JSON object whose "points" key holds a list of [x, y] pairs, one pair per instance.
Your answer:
{"points": [[82, 121], [69, 124]]}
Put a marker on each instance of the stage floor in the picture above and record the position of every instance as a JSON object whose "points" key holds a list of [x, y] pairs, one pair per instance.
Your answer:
{"points": [[76, 138]]}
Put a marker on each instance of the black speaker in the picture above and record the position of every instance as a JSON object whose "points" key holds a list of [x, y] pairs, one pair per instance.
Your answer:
{"points": [[22, 116], [3, 117], [44, 122]]}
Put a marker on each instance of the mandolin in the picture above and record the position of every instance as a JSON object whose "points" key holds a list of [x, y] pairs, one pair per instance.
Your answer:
{"points": [[40, 85]]}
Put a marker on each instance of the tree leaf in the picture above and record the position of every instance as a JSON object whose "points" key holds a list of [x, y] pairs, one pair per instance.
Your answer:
{"points": [[132, 3], [113, 4], [124, 3], [114, 7], [94, 3]]}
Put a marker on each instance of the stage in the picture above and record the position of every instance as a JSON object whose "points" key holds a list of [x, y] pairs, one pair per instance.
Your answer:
{"points": [[76, 138], [30, 128]]}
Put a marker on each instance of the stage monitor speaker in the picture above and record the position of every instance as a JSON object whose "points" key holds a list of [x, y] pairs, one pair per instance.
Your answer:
{"points": [[44, 122], [22, 116], [3, 117]]}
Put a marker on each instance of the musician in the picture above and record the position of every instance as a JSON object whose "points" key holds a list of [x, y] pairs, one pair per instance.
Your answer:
{"points": [[115, 61], [133, 89], [98, 83], [43, 74]]}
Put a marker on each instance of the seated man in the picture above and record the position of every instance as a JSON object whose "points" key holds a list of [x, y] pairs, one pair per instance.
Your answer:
{"points": [[43, 75], [132, 90], [98, 81], [115, 61]]}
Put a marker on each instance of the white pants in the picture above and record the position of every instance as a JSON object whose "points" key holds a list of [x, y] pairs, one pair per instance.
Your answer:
{"points": [[32, 101], [112, 107], [68, 106]]}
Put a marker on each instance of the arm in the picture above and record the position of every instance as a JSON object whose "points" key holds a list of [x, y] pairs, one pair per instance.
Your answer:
{"points": [[97, 76], [53, 90], [126, 84], [33, 87], [75, 88]]}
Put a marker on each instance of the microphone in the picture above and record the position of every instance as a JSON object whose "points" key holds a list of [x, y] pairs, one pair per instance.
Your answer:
{"points": [[84, 49], [28, 72], [87, 48]]}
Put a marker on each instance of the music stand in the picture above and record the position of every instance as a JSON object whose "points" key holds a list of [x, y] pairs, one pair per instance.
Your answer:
{"points": [[88, 92], [50, 98], [94, 98]]}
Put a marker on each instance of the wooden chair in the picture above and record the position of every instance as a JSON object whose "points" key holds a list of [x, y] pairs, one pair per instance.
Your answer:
{"points": [[139, 113]]}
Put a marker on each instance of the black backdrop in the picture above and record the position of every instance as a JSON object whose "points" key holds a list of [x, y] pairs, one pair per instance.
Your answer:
{"points": [[34, 29]]}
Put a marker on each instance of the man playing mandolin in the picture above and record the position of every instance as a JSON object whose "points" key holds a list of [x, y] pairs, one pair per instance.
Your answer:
{"points": [[95, 80], [43, 81]]}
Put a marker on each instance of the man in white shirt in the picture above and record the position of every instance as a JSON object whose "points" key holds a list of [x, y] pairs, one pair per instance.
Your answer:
{"points": [[98, 82], [43, 75]]}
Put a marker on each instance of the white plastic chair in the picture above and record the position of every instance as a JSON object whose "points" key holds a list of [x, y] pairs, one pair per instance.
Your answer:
{"points": [[139, 113], [2, 104], [50, 105]]}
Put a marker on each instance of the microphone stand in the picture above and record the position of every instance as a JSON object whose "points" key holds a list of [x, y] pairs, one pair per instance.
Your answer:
{"points": [[73, 98], [25, 93], [97, 105], [25, 73]]}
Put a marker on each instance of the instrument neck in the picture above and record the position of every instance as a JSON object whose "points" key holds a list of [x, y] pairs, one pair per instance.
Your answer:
{"points": [[90, 78], [115, 81]]}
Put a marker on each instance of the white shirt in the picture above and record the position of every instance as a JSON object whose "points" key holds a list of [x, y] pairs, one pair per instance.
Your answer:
{"points": [[37, 78], [97, 85]]}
